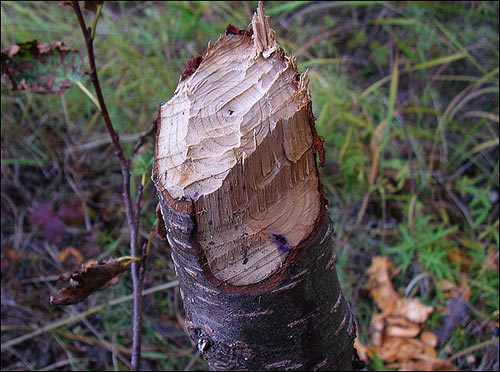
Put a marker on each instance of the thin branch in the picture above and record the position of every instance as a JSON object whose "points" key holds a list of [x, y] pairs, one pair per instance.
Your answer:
{"points": [[137, 279], [132, 218]]}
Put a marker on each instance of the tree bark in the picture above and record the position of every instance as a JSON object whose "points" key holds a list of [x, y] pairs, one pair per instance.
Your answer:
{"points": [[236, 173]]}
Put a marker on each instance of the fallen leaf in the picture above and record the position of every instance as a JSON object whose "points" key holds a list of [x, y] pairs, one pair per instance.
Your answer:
{"points": [[429, 338], [41, 67], [13, 254], [377, 328], [391, 350], [401, 327], [360, 347], [88, 280], [413, 310], [397, 335], [9, 260], [380, 284], [460, 259]]}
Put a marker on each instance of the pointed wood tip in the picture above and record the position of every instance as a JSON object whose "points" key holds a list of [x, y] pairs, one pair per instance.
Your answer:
{"points": [[263, 35]]}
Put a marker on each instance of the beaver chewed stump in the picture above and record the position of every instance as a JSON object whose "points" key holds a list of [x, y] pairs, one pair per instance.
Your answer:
{"points": [[236, 172]]}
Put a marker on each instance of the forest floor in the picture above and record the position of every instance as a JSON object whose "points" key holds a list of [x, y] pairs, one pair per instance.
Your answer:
{"points": [[406, 96]]}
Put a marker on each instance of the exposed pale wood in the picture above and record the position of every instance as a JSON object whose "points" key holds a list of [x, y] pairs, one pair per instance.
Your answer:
{"points": [[236, 139]]}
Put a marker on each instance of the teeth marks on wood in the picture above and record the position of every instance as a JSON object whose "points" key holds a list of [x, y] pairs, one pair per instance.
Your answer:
{"points": [[237, 141]]}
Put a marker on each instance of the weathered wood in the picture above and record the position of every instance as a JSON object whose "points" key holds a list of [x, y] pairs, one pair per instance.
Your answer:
{"points": [[236, 174]]}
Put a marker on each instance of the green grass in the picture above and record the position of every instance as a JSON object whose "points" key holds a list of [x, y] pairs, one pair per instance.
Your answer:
{"points": [[411, 86]]}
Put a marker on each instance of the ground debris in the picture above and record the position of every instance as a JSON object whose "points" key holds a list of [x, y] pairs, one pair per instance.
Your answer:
{"points": [[398, 334]]}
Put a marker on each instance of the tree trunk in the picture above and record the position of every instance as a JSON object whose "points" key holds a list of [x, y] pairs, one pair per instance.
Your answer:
{"points": [[243, 205]]}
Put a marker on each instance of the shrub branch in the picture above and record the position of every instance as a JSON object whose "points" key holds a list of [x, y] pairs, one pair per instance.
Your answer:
{"points": [[132, 211]]}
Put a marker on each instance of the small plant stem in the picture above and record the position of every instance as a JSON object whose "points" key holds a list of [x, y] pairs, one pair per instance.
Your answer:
{"points": [[88, 94], [96, 18], [132, 216]]}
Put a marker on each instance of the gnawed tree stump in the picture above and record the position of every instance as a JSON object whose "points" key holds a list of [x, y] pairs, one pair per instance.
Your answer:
{"points": [[243, 205]]}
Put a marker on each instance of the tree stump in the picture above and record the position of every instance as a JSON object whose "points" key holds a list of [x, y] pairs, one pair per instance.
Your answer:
{"points": [[236, 173]]}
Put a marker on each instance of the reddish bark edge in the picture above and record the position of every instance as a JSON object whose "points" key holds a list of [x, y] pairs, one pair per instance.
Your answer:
{"points": [[233, 30]]}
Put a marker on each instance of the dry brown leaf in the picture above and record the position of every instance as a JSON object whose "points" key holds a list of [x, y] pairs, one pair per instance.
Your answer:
{"points": [[401, 327], [394, 349], [454, 290], [395, 331], [41, 67], [88, 280], [429, 338], [377, 328], [429, 350], [380, 284], [446, 286], [412, 309]]}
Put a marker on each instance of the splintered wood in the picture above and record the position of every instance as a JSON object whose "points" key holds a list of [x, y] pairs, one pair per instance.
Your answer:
{"points": [[237, 139]]}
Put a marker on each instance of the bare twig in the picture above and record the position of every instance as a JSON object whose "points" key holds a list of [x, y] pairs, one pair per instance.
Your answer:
{"points": [[138, 279], [131, 214]]}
